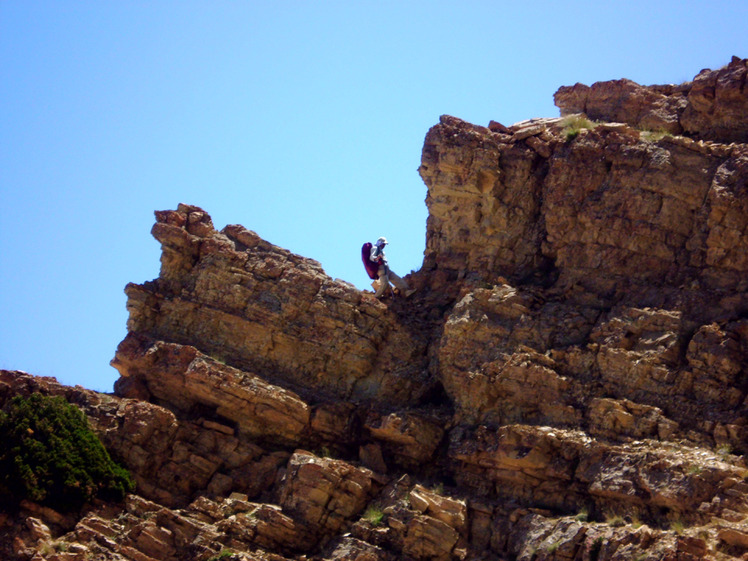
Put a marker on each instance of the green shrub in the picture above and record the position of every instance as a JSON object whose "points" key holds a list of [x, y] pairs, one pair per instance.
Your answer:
{"points": [[653, 135], [225, 554], [724, 451], [573, 124], [374, 515], [615, 520], [51, 456]]}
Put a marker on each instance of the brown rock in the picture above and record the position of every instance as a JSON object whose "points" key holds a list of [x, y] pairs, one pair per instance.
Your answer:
{"points": [[181, 376], [38, 530], [734, 534], [616, 418], [266, 310], [411, 438], [573, 360], [429, 538], [450, 511], [495, 126], [717, 104], [324, 493], [624, 101], [711, 107], [352, 549]]}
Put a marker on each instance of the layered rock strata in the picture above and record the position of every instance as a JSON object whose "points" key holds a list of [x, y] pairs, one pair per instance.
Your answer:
{"points": [[712, 107], [569, 381], [261, 308]]}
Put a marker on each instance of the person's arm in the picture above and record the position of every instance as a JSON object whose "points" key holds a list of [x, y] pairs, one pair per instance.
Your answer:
{"points": [[374, 255]]}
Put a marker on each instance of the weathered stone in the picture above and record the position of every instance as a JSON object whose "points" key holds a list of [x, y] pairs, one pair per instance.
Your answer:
{"points": [[446, 509], [711, 107], [574, 359], [734, 534], [412, 438], [352, 549], [717, 104], [616, 418], [265, 310], [324, 493], [429, 538], [181, 376]]}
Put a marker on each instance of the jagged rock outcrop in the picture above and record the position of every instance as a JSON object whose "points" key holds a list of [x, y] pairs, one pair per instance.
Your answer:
{"points": [[260, 308], [605, 217], [711, 107], [569, 381]]}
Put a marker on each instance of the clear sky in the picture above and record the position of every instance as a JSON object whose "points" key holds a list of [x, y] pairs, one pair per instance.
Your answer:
{"points": [[303, 121]]}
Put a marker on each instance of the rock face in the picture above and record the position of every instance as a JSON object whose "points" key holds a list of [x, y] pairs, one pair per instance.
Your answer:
{"points": [[260, 308], [569, 381], [711, 107]]}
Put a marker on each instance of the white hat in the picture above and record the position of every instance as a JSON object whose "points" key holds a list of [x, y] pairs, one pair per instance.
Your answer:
{"points": [[382, 241]]}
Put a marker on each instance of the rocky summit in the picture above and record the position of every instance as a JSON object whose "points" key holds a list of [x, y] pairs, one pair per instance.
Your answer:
{"points": [[569, 381]]}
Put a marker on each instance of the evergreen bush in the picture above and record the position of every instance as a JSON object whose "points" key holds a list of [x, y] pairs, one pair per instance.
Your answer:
{"points": [[50, 455]]}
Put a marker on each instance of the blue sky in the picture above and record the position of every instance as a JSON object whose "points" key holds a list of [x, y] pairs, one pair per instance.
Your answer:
{"points": [[303, 121]]}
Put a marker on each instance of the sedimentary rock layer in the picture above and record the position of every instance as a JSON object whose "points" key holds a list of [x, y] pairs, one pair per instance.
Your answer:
{"points": [[569, 381]]}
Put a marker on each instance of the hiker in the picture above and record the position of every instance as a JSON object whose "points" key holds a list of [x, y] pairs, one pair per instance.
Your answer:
{"points": [[386, 276]]}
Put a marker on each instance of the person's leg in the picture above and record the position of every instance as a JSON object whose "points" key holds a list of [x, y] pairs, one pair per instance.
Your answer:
{"points": [[384, 282], [399, 283]]}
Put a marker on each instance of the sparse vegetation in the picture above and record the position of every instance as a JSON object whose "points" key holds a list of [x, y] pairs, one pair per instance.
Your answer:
{"points": [[653, 135], [724, 451], [583, 515], [554, 546], [597, 546], [615, 520], [677, 526], [374, 515], [694, 469], [222, 555], [573, 124], [52, 457]]}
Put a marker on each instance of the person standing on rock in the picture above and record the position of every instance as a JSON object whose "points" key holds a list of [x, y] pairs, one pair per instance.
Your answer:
{"points": [[386, 275]]}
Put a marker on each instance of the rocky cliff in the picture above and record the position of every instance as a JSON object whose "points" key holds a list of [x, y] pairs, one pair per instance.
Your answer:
{"points": [[568, 382]]}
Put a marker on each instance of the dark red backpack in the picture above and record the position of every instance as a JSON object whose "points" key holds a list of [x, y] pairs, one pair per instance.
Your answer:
{"points": [[370, 266]]}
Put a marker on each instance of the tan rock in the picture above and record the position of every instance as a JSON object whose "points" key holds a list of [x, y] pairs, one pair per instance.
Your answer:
{"points": [[619, 213], [624, 101], [323, 492], [38, 530], [352, 549], [716, 360], [710, 107], [266, 310], [734, 534], [616, 418], [450, 511], [490, 383], [181, 375], [429, 538], [573, 360], [716, 102], [152, 538], [411, 438]]}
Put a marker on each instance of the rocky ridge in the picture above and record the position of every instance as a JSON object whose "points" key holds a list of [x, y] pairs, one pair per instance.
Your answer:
{"points": [[569, 381]]}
